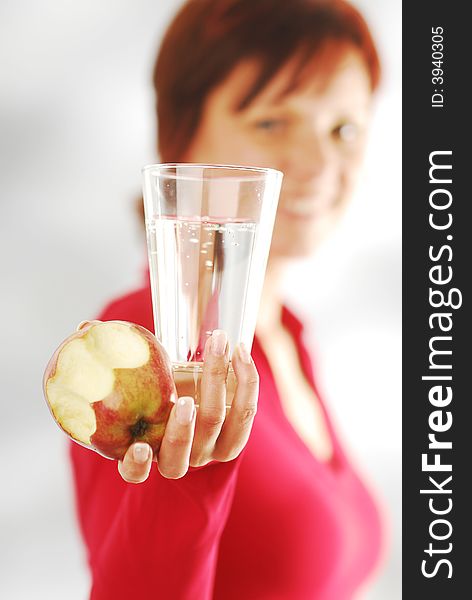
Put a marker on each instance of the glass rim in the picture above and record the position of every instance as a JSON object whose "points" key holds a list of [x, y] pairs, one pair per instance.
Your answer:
{"points": [[251, 171]]}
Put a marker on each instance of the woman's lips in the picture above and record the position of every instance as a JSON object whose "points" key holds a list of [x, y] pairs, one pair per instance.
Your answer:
{"points": [[306, 209]]}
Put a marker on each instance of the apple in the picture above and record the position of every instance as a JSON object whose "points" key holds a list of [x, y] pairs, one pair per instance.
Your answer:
{"points": [[110, 384]]}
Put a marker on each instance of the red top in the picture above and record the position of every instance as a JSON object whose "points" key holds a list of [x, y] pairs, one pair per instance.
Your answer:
{"points": [[274, 524]]}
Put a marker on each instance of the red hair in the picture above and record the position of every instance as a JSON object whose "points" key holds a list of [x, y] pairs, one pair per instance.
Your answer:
{"points": [[208, 38]]}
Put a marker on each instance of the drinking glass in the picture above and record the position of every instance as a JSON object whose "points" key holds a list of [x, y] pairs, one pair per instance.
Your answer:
{"points": [[208, 230]]}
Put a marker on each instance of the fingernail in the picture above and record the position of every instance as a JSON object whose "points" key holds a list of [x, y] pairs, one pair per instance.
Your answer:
{"points": [[244, 354], [81, 325], [184, 410], [218, 342], [140, 453]]}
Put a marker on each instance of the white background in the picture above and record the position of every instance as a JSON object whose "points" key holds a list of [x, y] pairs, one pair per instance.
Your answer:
{"points": [[76, 125]]}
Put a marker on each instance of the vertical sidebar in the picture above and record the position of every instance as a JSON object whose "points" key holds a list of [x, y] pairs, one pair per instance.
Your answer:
{"points": [[437, 248]]}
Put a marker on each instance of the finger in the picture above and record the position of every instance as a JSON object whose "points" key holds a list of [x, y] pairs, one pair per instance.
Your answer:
{"points": [[136, 464], [238, 424], [174, 454], [212, 407]]}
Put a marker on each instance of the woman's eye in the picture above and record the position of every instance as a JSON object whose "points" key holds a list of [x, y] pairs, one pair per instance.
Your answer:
{"points": [[269, 125], [346, 132]]}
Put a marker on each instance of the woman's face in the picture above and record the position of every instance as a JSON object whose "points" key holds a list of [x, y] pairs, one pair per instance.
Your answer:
{"points": [[314, 134]]}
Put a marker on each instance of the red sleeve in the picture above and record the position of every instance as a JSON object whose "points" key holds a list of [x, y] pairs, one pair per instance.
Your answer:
{"points": [[161, 535]]}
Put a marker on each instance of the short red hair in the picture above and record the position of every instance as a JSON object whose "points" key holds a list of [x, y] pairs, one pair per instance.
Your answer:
{"points": [[208, 38]]}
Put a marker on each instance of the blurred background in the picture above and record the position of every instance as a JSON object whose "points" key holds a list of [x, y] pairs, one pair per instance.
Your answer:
{"points": [[76, 126]]}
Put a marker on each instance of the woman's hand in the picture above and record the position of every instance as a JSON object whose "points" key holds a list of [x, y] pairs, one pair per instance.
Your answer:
{"points": [[195, 438]]}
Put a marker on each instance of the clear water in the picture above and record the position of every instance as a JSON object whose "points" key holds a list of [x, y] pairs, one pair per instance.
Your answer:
{"points": [[205, 275]]}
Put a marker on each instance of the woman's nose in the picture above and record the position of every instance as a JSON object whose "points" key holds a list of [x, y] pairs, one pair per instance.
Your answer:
{"points": [[312, 158]]}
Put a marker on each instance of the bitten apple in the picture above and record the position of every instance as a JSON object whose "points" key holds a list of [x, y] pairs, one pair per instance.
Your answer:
{"points": [[110, 384]]}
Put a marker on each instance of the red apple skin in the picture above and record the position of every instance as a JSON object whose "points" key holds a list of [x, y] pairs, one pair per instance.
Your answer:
{"points": [[139, 406]]}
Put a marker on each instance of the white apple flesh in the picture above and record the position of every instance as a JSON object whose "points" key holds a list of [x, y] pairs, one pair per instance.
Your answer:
{"points": [[110, 384]]}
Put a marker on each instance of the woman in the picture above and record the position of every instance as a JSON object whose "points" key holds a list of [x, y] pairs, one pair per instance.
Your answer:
{"points": [[276, 512]]}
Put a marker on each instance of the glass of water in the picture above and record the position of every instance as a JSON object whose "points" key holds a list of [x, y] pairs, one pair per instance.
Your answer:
{"points": [[208, 229]]}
